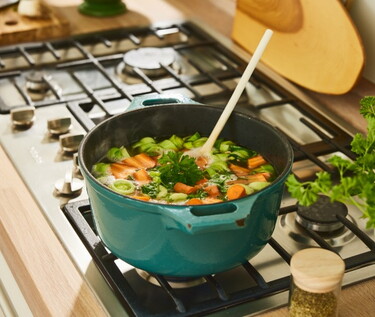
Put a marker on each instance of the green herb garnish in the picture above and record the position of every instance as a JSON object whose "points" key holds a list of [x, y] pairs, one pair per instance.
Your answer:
{"points": [[176, 167], [356, 183]]}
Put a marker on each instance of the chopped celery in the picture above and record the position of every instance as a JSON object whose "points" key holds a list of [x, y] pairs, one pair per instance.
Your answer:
{"points": [[177, 197], [258, 185], [168, 145], [143, 141], [199, 142], [163, 192], [192, 138], [101, 169], [266, 168], [220, 157], [177, 141], [225, 146], [122, 186], [117, 154], [219, 166], [188, 145]]}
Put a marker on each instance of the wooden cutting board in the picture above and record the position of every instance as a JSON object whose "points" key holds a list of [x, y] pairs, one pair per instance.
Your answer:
{"points": [[315, 43], [15, 28]]}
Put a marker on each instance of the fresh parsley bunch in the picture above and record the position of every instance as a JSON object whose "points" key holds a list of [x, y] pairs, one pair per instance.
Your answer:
{"points": [[356, 183], [176, 167]]}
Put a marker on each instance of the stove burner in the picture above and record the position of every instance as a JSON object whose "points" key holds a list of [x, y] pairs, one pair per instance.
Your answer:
{"points": [[148, 60], [174, 282], [321, 216]]}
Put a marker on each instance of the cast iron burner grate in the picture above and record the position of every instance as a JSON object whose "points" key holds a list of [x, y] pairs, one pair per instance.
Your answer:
{"points": [[221, 291]]}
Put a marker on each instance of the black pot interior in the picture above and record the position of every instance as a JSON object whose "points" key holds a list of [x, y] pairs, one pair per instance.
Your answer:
{"points": [[182, 120]]}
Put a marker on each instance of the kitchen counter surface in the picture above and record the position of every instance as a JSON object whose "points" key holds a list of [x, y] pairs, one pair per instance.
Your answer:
{"points": [[49, 281]]}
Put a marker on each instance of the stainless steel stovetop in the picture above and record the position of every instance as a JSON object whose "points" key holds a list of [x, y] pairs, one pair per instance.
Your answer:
{"points": [[52, 93]]}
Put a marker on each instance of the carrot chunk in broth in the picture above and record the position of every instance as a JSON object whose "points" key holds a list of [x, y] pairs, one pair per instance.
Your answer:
{"points": [[236, 191], [183, 188], [194, 201], [256, 161], [121, 171], [239, 170], [142, 176]]}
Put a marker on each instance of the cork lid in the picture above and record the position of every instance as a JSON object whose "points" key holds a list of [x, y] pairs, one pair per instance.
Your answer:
{"points": [[317, 270]]}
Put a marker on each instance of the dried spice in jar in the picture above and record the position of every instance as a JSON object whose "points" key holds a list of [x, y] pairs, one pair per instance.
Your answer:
{"points": [[316, 283]]}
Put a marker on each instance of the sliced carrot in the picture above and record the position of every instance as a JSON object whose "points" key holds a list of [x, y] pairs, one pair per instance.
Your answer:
{"points": [[194, 201], [121, 171], [183, 188], [145, 198], [132, 161], [259, 177], [236, 191], [239, 170], [211, 200], [256, 161], [146, 160], [212, 190], [142, 176], [201, 161]]}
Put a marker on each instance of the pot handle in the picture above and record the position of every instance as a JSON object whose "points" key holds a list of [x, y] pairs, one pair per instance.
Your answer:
{"points": [[159, 99], [208, 218]]}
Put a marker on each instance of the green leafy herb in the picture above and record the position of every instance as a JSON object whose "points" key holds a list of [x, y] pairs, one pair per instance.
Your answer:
{"points": [[356, 183], [176, 167]]}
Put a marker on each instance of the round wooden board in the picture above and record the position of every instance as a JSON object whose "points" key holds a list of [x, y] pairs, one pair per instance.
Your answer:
{"points": [[315, 43]]}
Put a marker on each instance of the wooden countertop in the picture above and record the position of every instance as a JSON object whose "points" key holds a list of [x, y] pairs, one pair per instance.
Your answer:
{"points": [[48, 279]]}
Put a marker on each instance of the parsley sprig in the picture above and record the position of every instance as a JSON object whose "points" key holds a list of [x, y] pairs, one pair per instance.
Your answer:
{"points": [[356, 184], [175, 167]]}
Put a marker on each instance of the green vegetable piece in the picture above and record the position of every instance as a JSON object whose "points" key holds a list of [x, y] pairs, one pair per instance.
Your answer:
{"points": [[143, 141], [266, 168], [225, 146], [168, 145], [177, 141], [192, 138], [219, 166], [122, 186], [163, 192], [116, 154], [258, 185], [199, 142], [188, 145], [175, 197], [101, 169], [220, 157]]}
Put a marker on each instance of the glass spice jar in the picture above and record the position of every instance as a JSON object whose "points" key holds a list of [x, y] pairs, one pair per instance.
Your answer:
{"points": [[316, 283]]}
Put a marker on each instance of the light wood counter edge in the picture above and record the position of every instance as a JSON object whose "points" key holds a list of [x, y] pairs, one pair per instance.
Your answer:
{"points": [[47, 277]]}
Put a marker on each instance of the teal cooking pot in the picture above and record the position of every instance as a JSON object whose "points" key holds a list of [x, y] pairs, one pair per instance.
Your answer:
{"points": [[181, 240]]}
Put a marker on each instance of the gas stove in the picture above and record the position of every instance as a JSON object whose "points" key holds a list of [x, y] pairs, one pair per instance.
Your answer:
{"points": [[52, 93]]}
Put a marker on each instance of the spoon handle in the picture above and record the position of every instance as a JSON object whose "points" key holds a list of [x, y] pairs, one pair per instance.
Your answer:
{"points": [[206, 149]]}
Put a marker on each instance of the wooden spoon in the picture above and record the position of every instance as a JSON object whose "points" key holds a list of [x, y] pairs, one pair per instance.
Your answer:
{"points": [[205, 150]]}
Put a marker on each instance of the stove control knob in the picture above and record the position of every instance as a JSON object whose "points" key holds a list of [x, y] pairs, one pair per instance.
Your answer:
{"points": [[59, 126], [22, 117], [69, 186], [69, 143]]}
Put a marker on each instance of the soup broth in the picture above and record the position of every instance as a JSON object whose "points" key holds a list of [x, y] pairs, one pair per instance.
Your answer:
{"points": [[162, 171]]}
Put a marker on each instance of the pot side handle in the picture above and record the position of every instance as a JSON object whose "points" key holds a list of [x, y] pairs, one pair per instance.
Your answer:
{"points": [[159, 99], [208, 218]]}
